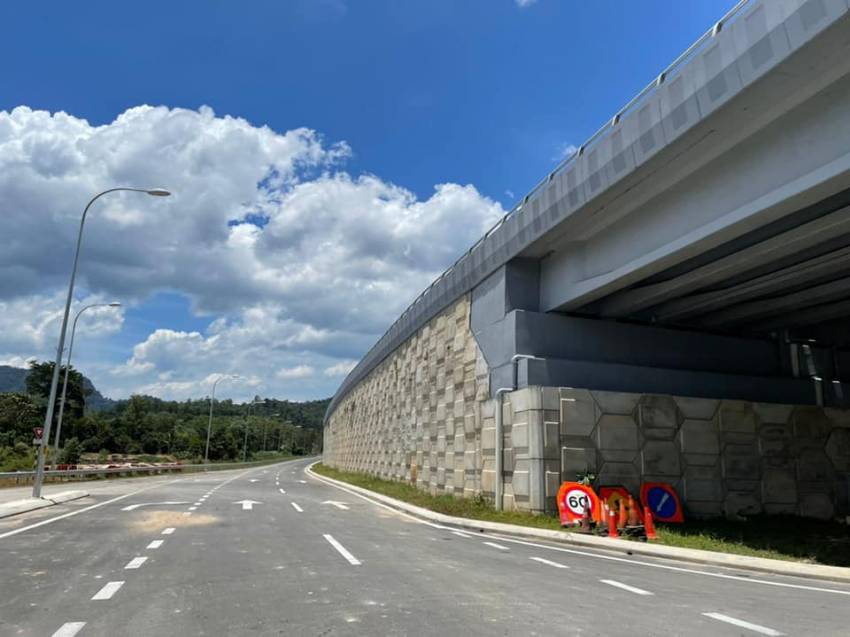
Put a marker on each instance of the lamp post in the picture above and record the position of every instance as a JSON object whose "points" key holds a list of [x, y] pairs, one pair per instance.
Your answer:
{"points": [[212, 400], [68, 367], [54, 383], [245, 444]]}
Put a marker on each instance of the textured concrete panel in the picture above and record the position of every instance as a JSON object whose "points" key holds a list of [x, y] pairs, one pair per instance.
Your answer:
{"points": [[624, 473], [699, 436], [741, 504], [616, 402], [838, 449], [741, 462], [578, 413], [616, 432], [775, 439], [779, 486], [772, 412], [816, 505], [577, 461], [658, 417], [661, 458], [697, 408], [736, 416], [813, 465]]}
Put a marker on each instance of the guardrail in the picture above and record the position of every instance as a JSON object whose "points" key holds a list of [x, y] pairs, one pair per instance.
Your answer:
{"points": [[25, 477], [417, 314]]}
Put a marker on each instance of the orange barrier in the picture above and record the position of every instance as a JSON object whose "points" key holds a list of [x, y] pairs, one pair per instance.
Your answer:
{"points": [[649, 526]]}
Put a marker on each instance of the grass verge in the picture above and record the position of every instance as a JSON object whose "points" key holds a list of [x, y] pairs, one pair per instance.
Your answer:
{"points": [[776, 537]]}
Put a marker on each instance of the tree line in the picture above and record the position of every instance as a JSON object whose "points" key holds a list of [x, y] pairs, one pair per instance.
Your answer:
{"points": [[144, 425]]}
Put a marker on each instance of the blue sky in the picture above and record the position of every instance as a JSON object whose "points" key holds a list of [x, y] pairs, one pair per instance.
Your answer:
{"points": [[480, 93]]}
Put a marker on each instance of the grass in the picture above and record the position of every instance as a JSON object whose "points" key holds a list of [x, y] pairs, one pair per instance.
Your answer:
{"points": [[776, 537]]}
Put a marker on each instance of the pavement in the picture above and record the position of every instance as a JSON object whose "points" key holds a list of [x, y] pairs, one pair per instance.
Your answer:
{"points": [[273, 551]]}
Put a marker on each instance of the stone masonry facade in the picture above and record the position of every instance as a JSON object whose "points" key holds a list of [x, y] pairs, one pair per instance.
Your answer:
{"points": [[424, 416]]}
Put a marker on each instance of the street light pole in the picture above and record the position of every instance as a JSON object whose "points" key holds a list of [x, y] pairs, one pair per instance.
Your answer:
{"points": [[68, 367], [245, 444], [54, 383], [209, 426]]}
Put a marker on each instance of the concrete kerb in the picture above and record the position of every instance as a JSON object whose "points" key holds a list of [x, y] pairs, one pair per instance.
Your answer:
{"points": [[623, 547], [26, 505]]}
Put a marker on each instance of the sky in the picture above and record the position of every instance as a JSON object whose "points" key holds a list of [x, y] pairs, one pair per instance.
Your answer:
{"points": [[327, 158]]}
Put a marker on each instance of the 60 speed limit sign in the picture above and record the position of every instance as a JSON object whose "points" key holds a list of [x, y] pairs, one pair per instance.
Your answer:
{"points": [[573, 498]]}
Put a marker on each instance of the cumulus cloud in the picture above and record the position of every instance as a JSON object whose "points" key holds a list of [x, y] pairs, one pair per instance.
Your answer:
{"points": [[299, 371], [340, 369], [297, 263]]}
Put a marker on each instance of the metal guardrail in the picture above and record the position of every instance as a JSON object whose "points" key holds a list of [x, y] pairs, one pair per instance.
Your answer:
{"points": [[373, 357], [27, 476]]}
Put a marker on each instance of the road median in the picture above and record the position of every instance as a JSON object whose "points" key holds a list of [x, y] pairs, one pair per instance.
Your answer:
{"points": [[25, 505], [624, 547]]}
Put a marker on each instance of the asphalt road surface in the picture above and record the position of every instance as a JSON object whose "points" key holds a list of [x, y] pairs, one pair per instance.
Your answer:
{"points": [[272, 551]]}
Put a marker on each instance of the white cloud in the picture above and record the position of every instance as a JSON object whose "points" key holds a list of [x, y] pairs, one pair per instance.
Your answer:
{"points": [[564, 150], [340, 369], [337, 258], [522, 4], [299, 371]]}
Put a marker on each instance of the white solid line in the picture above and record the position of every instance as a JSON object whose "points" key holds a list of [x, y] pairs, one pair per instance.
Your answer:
{"points": [[282, 491], [168, 531], [296, 507], [155, 544], [497, 546], [107, 591], [459, 534], [549, 562], [625, 587], [136, 562], [69, 630], [764, 630], [89, 508], [342, 550]]}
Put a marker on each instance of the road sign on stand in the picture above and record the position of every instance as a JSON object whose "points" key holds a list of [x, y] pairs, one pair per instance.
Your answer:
{"points": [[573, 498], [662, 500], [38, 433], [612, 496]]}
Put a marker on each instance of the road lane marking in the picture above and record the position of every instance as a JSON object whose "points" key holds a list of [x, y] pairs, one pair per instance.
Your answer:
{"points": [[193, 508], [282, 491], [133, 507], [88, 508], [136, 562], [197, 504], [338, 505], [303, 481], [459, 534], [247, 505], [497, 546], [168, 531], [107, 591], [296, 507], [740, 623], [69, 630], [543, 560], [625, 587], [342, 550], [613, 558], [155, 544]]}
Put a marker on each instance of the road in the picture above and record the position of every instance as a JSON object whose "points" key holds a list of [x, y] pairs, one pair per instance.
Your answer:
{"points": [[273, 551]]}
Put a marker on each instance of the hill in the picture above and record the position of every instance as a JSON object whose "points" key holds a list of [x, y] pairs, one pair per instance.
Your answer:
{"points": [[14, 379]]}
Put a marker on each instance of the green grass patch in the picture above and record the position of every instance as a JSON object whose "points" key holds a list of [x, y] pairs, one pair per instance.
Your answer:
{"points": [[776, 537]]}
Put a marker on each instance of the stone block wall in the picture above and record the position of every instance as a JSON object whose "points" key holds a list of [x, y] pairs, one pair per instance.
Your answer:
{"points": [[724, 457], [418, 416]]}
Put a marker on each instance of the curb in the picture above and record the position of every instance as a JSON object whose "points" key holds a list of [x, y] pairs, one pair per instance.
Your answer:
{"points": [[17, 507], [623, 547]]}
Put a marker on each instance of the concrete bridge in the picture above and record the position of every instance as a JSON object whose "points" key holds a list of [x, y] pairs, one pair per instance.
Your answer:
{"points": [[669, 303]]}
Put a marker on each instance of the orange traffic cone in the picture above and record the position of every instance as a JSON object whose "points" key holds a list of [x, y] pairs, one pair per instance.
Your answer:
{"points": [[612, 524], [648, 525], [603, 515], [634, 516]]}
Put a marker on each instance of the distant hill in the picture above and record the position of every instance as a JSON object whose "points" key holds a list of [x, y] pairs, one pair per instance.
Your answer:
{"points": [[14, 379]]}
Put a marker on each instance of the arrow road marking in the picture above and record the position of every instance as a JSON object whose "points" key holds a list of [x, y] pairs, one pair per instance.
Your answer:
{"points": [[247, 505], [296, 507], [338, 505], [133, 507]]}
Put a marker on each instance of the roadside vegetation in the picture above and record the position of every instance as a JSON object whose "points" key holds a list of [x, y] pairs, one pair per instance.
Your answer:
{"points": [[776, 537], [142, 427]]}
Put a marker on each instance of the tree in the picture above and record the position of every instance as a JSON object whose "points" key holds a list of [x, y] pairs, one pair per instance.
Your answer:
{"points": [[71, 452], [38, 383], [18, 415]]}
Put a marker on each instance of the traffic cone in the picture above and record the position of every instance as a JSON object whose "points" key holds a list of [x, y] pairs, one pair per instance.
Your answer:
{"points": [[648, 524], [603, 515], [634, 516], [621, 519], [612, 524], [585, 519]]}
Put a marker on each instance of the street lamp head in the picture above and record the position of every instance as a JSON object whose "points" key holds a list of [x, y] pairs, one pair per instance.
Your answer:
{"points": [[158, 192]]}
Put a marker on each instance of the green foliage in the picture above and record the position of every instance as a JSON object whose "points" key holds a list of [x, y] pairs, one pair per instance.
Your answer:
{"points": [[71, 452]]}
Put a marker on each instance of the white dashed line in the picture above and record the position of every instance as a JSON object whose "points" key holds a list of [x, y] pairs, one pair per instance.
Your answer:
{"points": [[197, 504], [136, 562], [303, 481], [193, 508], [107, 591], [459, 534], [342, 550], [283, 491], [543, 560], [296, 507], [155, 544], [69, 630], [740, 623], [497, 546], [625, 587], [168, 531]]}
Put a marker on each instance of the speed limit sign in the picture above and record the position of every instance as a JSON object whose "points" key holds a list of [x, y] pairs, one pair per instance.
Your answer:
{"points": [[573, 499]]}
